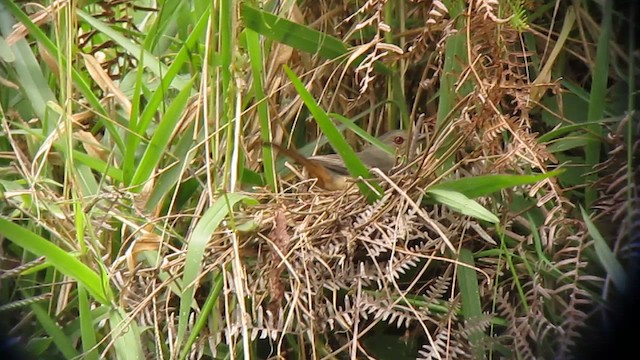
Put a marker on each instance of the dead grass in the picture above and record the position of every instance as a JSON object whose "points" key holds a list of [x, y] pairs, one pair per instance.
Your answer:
{"points": [[322, 274]]}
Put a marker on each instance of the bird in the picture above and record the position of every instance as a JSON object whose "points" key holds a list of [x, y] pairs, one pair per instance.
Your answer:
{"points": [[331, 172]]}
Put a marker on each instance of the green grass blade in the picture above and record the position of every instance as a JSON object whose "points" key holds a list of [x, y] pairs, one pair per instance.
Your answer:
{"points": [[161, 136], [363, 133], [32, 80], [605, 255], [257, 67], [354, 164], [140, 126], [94, 163], [125, 331], [584, 95], [557, 133], [455, 54], [184, 154], [86, 326], [598, 96], [203, 317], [135, 133], [470, 295], [60, 339], [572, 142], [158, 30], [197, 243], [289, 33], [64, 262], [462, 204], [299, 36], [98, 314], [79, 80], [146, 59], [473, 187]]}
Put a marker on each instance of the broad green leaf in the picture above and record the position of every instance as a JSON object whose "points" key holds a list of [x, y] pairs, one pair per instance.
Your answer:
{"points": [[126, 333], [476, 186], [299, 36], [290, 33], [462, 204], [6, 55]]}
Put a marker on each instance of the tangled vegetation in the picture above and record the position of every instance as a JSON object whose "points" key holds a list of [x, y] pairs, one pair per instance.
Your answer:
{"points": [[144, 216]]}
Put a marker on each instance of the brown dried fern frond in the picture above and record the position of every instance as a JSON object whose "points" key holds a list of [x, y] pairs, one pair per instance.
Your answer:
{"points": [[331, 265]]}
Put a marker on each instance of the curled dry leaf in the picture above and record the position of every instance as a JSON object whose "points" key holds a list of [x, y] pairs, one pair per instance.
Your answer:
{"points": [[106, 84], [91, 145]]}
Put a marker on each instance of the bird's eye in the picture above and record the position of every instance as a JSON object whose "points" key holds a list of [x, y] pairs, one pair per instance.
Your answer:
{"points": [[398, 140]]}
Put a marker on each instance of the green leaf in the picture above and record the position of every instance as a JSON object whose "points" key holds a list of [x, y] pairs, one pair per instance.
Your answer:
{"points": [[94, 163], [202, 319], [462, 204], [556, 133], [125, 331], [453, 85], [62, 341], [138, 125], [90, 352], [161, 137], [605, 255], [80, 81], [183, 152], [299, 36], [64, 262], [146, 59], [470, 295], [572, 142], [363, 133], [354, 164], [598, 96], [290, 33], [196, 247], [32, 81], [476, 186], [254, 48]]}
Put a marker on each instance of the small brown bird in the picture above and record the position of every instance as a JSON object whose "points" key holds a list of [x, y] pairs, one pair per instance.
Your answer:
{"points": [[330, 170]]}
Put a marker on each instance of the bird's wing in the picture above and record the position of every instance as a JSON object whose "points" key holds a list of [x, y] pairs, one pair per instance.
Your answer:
{"points": [[332, 162], [315, 169]]}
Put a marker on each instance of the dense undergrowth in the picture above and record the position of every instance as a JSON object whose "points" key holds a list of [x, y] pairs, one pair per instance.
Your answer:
{"points": [[141, 215]]}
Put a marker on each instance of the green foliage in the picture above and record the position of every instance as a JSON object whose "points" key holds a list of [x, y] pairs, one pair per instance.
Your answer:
{"points": [[142, 216]]}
